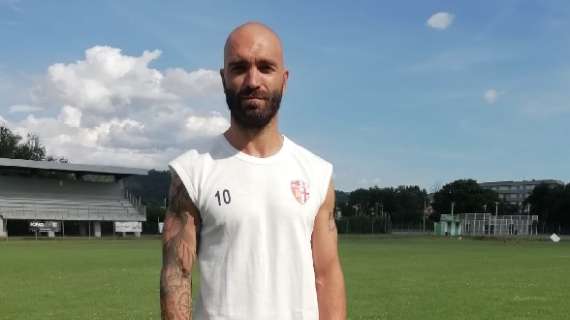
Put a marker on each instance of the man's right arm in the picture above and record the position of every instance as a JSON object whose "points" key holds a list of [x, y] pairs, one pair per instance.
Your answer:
{"points": [[179, 247]]}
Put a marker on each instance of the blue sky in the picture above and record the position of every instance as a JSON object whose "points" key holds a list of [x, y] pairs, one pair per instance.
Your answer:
{"points": [[374, 89]]}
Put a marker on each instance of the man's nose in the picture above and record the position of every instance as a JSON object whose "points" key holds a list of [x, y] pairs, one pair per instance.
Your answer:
{"points": [[252, 78]]}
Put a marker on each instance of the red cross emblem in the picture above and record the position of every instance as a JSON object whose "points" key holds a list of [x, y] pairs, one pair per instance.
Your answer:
{"points": [[300, 191]]}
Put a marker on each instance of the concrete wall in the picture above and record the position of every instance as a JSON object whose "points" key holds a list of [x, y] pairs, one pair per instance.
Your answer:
{"points": [[35, 186]]}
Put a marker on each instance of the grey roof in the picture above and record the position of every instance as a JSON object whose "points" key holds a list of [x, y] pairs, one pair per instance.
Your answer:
{"points": [[57, 166]]}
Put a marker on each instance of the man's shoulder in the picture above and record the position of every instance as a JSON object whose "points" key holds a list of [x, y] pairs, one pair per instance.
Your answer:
{"points": [[319, 170], [208, 148], [306, 155]]}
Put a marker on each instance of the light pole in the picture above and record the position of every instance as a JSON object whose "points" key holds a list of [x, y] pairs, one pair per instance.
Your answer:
{"points": [[424, 217], [452, 219]]}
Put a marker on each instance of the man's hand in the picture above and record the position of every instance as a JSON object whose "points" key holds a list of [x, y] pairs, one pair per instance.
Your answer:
{"points": [[328, 272], [180, 239]]}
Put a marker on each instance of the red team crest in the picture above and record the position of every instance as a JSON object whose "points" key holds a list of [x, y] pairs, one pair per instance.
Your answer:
{"points": [[300, 190]]}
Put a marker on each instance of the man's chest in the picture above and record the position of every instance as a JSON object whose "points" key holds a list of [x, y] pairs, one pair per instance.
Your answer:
{"points": [[233, 195]]}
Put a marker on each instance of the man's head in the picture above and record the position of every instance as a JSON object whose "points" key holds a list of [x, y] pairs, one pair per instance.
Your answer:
{"points": [[254, 75]]}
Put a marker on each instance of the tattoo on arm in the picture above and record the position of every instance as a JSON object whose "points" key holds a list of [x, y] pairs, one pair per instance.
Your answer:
{"points": [[332, 222], [178, 254], [179, 201]]}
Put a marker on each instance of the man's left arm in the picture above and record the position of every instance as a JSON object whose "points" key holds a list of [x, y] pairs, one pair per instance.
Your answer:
{"points": [[328, 272]]}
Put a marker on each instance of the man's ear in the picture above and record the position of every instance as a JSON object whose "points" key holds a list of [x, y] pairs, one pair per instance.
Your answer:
{"points": [[223, 79], [285, 78]]}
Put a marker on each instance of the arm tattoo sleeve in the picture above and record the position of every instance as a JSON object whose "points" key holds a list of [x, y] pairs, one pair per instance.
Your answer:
{"points": [[178, 200], [332, 222], [178, 254]]}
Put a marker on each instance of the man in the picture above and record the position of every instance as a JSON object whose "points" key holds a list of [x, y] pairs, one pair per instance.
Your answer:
{"points": [[254, 208]]}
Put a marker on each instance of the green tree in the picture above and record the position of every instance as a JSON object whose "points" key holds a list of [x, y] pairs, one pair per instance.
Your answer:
{"points": [[31, 149], [411, 202], [404, 204], [467, 195], [551, 204], [12, 146], [8, 142]]}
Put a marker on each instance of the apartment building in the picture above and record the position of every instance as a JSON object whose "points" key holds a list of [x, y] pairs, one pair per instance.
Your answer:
{"points": [[515, 192]]}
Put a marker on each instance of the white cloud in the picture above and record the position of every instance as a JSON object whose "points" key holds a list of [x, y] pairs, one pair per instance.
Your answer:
{"points": [[206, 126], [112, 108], [107, 80], [70, 116], [440, 20], [491, 96], [23, 108], [198, 83]]}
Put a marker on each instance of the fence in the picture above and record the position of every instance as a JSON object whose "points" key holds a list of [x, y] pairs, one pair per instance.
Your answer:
{"points": [[486, 224], [364, 224]]}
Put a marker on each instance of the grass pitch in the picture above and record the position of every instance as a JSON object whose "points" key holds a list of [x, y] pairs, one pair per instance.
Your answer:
{"points": [[387, 278]]}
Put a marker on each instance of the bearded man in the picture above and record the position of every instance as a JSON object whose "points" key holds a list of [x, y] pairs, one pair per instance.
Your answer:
{"points": [[253, 209]]}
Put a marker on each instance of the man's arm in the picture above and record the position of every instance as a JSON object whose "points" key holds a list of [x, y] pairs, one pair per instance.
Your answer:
{"points": [[328, 272], [179, 245]]}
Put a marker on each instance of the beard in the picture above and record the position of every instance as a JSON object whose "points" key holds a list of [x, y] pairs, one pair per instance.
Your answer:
{"points": [[249, 114]]}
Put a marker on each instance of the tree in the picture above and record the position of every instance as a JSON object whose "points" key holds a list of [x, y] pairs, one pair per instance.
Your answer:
{"points": [[551, 204], [411, 202], [8, 142], [31, 149], [467, 195], [404, 204], [12, 146]]}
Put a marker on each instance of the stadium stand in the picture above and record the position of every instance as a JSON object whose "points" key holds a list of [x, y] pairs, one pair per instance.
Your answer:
{"points": [[44, 191]]}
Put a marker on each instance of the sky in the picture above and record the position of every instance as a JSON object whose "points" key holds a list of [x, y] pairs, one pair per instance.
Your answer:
{"points": [[391, 92]]}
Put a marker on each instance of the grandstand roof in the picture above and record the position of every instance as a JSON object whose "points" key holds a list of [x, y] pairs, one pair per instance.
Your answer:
{"points": [[79, 168]]}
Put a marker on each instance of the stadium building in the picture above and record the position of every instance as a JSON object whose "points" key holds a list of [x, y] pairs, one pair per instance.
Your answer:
{"points": [[69, 199]]}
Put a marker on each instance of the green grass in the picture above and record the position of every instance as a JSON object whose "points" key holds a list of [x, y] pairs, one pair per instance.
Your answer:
{"points": [[387, 278]]}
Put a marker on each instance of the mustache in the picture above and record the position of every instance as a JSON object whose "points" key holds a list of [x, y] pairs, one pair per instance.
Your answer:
{"points": [[253, 94]]}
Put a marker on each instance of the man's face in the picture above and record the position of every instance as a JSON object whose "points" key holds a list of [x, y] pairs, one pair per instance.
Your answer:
{"points": [[254, 77]]}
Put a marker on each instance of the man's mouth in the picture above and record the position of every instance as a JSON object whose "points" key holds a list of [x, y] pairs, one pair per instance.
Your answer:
{"points": [[253, 98]]}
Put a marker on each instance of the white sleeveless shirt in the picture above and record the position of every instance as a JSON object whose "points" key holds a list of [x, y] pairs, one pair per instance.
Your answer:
{"points": [[257, 216]]}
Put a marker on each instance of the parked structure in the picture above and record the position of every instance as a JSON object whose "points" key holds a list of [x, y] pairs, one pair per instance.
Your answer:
{"points": [[44, 192], [448, 225]]}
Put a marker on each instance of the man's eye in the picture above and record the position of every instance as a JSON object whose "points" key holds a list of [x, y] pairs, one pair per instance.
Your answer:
{"points": [[265, 68], [238, 69]]}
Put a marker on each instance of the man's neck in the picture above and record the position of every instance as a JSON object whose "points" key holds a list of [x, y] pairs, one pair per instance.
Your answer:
{"points": [[261, 143]]}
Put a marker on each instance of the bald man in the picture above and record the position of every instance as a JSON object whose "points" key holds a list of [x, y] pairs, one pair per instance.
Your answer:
{"points": [[254, 209]]}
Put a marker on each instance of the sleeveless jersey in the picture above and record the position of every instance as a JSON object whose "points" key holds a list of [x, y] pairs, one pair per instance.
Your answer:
{"points": [[257, 215]]}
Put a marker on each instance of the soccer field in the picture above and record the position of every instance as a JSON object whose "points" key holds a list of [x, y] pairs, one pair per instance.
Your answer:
{"points": [[387, 278]]}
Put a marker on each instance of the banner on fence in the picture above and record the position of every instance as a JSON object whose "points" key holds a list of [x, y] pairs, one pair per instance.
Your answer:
{"points": [[128, 226], [45, 226]]}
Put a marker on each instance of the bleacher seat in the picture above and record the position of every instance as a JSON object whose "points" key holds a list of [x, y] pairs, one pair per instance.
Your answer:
{"points": [[74, 207]]}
